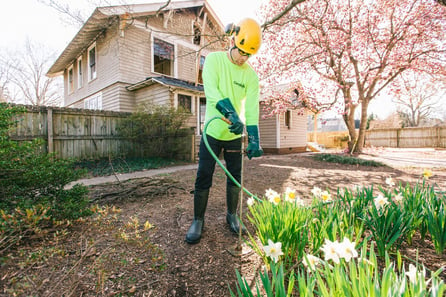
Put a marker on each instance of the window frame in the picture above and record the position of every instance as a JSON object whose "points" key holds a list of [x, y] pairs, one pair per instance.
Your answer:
{"points": [[92, 74], [173, 67], [191, 97], [70, 79], [80, 73]]}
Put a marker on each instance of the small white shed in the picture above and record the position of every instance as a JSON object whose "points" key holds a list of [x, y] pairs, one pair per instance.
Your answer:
{"points": [[286, 131]]}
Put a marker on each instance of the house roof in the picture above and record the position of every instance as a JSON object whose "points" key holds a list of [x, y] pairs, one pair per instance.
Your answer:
{"points": [[167, 81], [103, 17]]}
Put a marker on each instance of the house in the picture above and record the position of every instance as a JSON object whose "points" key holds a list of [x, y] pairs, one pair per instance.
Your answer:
{"points": [[130, 55], [284, 132]]}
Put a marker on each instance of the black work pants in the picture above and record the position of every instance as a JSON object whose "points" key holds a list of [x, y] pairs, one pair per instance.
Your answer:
{"points": [[206, 164]]}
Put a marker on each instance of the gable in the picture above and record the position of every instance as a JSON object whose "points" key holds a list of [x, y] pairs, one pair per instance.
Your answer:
{"points": [[155, 14]]}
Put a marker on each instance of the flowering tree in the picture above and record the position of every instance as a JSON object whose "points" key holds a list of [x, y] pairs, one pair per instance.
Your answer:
{"points": [[346, 52]]}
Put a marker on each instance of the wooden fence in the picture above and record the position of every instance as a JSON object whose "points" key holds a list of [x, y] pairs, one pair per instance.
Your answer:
{"points": [[414, 137], [91, 134]]}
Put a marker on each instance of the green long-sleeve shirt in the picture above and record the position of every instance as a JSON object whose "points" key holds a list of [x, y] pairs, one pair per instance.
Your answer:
{"points": [[223, 79]]}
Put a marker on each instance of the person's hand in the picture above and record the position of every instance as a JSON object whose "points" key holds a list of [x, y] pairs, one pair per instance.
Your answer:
{"points": [[224, 106], [254, 149]]}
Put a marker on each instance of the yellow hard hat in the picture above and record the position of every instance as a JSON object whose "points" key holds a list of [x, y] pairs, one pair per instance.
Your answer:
{"points": [[247, 35]]}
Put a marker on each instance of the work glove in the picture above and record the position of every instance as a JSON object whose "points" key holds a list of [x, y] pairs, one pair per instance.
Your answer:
{"points": [[224, 106], [254, 149]]}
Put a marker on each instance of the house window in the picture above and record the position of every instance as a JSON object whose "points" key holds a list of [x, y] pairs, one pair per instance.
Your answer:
{"points": [[288, 119], [163, 53], [70, 80], [200, 69], [80, 77], [185, 102], [92, 58], [93, 102], [197, 34]]}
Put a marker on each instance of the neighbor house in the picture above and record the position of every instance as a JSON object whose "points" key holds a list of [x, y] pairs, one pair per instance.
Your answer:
{"points": [[130, 55]]}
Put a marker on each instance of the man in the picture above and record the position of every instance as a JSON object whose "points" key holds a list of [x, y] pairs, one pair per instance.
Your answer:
{"points": [[229, 84]]}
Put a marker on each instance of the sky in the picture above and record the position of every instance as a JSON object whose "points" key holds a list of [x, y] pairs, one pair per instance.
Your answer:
{"points": [[22, 19]]}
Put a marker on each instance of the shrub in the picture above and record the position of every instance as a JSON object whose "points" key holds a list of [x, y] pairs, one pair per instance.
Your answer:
{"points": [[31, 179]]}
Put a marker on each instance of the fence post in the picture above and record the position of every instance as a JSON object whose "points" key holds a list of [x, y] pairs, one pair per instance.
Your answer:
{"points": [[50, 129]]}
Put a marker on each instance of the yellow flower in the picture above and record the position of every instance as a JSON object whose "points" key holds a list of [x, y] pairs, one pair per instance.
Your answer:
{"points": [[427, 173], [147, 226]]}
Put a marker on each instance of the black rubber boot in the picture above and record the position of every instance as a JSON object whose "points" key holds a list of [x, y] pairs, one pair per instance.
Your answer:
{"points": [[200, 202], [232, 198]]}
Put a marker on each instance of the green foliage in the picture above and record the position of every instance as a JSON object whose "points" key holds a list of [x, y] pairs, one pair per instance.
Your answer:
{"points": [[31, 179], [152, 126], [287, 223], [348, 160], [386, 219]]}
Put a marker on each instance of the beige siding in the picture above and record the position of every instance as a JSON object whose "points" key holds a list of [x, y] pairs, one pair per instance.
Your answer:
{"points": [[268, 132], [155, 94], [296, 135], [135, 55], [187, 62], [107, 68]]}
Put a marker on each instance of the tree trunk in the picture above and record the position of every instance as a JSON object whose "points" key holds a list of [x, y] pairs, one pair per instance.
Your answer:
{"points": [[349, 119], [362, 127]]}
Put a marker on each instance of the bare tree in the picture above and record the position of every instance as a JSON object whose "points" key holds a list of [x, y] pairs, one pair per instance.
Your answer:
{"points": [[23, 74], [419, 97]]}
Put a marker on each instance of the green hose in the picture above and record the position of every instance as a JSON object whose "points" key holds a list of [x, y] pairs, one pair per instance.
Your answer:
{"points": [[219, 162]]}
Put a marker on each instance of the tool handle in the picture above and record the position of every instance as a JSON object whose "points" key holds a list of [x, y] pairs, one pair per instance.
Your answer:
{"points": [[226, 120]]}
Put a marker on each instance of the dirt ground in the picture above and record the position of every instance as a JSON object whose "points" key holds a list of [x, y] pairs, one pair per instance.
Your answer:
{"points": [[93, 260]]}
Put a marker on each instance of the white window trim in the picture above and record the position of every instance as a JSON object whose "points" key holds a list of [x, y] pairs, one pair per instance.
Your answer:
{"points": [[95, 75], [80, 75], [69, 85], [175, 46], [94, 102]]}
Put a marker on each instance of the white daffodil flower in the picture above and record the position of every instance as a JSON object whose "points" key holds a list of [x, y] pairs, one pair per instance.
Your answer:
{"points": [[399, 197], [413, 274], [316, 192], [311, 262], [347, 250], [325, 196], [380, 201], [290, 195], [273, 250], [250, 201], [390, 182], [330, 250], [273, 196]]}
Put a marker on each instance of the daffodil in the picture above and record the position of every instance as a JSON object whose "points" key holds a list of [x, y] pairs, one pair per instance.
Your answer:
{"points": [[290, 195], [347, 250], [413, 273], [380, 201], [389, 182], [273, 196], [273, 250], [330, 250], [325, 196], [316, 192], [399, 197], [250, 201], [311, 262], [427, 173]]}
